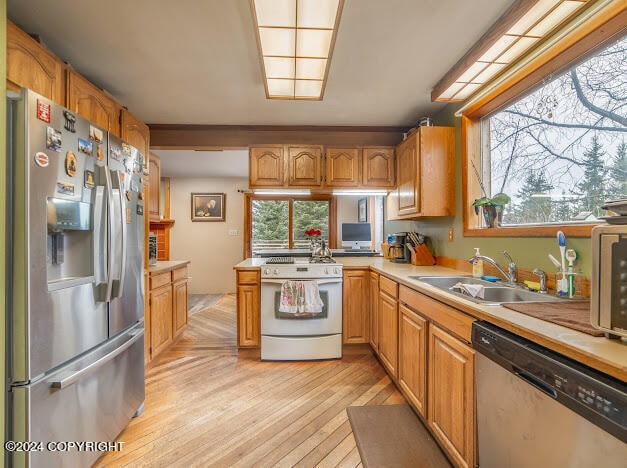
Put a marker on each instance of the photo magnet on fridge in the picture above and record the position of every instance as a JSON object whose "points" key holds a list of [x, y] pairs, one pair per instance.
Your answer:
{"points": [[71, 164], [96, 134], [65, 189], [99, 153], [115, 152], [43, 110], [70, 120], [89, 179], [140, 210], [54, 139], [85, 146]]}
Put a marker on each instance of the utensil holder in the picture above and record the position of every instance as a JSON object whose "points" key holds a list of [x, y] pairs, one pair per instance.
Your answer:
{"points": [[421, 256]]}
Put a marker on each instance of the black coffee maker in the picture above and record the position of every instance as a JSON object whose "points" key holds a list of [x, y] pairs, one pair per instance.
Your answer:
{"points": [[399, 253]]}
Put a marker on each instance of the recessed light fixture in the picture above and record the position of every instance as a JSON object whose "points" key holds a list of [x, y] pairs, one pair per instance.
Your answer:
{"points": [[496, 50], [295, 40]]}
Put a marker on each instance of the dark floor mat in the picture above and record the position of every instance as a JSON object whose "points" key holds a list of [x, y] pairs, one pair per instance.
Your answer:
{"points": [[393, 436]]}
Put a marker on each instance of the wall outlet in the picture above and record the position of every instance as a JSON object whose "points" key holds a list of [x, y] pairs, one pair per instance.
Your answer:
{"points": [[233, 232], [451, 234]]}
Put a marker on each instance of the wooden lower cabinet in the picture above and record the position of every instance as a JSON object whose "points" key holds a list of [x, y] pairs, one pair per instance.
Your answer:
{"points": [[355, 306], [179, 312], [388, 327], [374, 311], [161, 318], [248, 309], [451, 395], [412, 358]]}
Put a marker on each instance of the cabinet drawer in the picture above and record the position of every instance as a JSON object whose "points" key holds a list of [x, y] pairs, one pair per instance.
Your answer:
{"points": [[388, 286], [160, 279], [453, 320], [247, 277], [179, 273]]}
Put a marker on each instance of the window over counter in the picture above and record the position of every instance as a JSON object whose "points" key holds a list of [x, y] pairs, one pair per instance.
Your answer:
{"points": [[550, 133], [560, 151]]}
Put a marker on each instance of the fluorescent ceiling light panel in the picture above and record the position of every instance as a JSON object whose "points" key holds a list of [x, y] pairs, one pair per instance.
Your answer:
{"points": [[537, 23], [281, 192], [295, 39]]}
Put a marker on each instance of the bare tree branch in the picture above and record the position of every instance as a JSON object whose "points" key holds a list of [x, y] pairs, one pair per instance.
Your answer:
{"points": [[564, 125], [584, 100]]}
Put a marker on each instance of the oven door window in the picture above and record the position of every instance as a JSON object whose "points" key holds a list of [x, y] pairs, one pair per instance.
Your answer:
{"points": [[324, 295]]}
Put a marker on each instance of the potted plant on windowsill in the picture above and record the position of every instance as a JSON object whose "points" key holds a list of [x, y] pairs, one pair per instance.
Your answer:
{"points": [[492, 208]]}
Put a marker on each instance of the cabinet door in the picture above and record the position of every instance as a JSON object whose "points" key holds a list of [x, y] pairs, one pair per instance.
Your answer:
{"points": [[407, 175], [248, 329], [147, 322], [91, 103], [355, 310], [179, 312], [388, 332], [136, 133], [30, 65], [342, 167], [374, 311], [451, 406], [161, 318], [304, 166], [267, 165], [154, 180], [437, 171], [412, 358], [378, 167]]}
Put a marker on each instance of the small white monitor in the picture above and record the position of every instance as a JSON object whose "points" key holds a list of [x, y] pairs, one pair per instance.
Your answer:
{"points": [[356, 235]]}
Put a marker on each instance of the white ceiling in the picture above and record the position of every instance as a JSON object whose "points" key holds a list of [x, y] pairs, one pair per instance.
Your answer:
{"points": [[196, 61], [190, 163]]}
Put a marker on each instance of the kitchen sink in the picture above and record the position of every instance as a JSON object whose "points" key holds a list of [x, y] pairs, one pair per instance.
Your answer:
{"points": [[493, 293]]}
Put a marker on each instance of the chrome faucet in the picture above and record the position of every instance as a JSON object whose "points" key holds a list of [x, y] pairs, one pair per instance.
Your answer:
{"points": [[542, 276], [509, 276]]}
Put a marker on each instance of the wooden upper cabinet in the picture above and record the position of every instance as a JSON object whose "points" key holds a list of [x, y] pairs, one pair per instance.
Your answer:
{"points": [[378, 167], [425, 173], [267, 164], [136, 133], [30, 65], [342, 167], [304, 166], [154, 181], [92, 103]]}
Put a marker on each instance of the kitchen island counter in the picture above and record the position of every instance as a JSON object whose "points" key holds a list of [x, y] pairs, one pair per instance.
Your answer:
{"points": [[606, 355]]}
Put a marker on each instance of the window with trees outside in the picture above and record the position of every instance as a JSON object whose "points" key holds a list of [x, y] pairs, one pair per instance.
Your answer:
{"points": [[281, 223], [560, 151]]}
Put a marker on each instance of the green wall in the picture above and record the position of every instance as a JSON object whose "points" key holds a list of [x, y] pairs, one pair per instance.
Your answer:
{"points": [[527, 252], [3, 157]]}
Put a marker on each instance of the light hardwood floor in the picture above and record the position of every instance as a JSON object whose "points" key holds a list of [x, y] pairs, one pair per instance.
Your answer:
{"points": [[205, 406]]}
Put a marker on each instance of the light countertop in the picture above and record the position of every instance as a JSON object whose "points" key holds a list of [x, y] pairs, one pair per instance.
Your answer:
{"points": [[609, 356], [162, 267]]}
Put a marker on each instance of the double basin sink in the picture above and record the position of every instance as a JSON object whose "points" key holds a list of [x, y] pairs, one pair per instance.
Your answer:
{"points": [[493, 293]]}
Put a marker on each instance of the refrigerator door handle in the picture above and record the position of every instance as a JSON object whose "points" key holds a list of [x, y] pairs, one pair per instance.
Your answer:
{"points": [[123, 229], [76, 376], [100, 247], [111, 231]]}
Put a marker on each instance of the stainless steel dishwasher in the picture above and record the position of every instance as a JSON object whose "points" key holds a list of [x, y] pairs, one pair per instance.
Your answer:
{"points": [[537, 408]]}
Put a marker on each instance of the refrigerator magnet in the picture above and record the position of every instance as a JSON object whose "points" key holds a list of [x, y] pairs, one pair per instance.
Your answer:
{"points": [[85, 146], [115, 152], [129, 216], [64, 188], [70, 164], [99, 153], [128, 195], [43, 110], [140, 209], [70, 120], [140, 196], [54, 139], [96, 134], [42, 159], [89, 179], [126, 149]]}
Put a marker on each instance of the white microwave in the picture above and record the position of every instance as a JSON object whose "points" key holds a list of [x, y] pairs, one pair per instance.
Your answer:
{"points": [[608, 294]]}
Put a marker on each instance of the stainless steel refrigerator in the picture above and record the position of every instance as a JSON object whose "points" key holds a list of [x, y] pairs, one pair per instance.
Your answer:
{"points": [[76, 292]]}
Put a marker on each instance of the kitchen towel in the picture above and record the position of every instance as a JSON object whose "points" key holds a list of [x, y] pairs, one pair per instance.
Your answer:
{"points": [[472, 290], [299, 297]]}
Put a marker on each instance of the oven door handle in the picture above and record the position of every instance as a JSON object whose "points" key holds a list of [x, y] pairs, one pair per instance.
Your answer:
{"points": [[319, 281]]}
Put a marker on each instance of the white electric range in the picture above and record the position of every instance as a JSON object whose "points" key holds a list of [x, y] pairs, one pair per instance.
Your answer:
{"points": [[301, 336]]}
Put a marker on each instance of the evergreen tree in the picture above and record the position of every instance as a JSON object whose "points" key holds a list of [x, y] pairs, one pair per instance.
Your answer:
{"points": [[592, 187], [270, 220], [617, 186], [310, 214], [533, 208]]}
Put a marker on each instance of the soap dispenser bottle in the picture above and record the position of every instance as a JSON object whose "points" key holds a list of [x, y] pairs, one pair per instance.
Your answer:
{"points": [[477, 265]]}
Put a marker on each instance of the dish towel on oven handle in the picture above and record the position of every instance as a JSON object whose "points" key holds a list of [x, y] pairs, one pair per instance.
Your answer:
{"points": [[299, 297]]}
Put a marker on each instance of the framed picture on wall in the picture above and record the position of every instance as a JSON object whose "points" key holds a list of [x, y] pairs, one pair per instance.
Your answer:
{"points": [[362, 210], [208, 206]]}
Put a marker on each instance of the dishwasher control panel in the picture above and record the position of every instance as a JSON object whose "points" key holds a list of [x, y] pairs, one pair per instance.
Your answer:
{"points": [[598, 397]]}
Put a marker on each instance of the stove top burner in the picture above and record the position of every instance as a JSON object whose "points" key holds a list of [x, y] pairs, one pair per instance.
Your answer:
{"points": [[321, 260], [277, 260]]}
